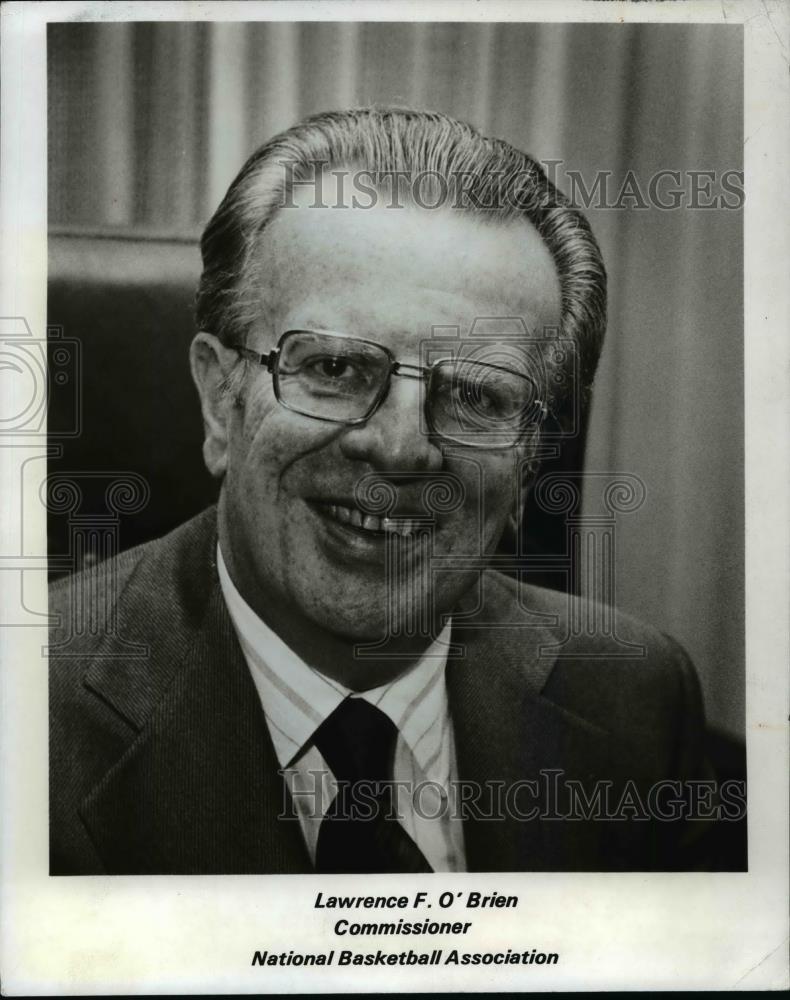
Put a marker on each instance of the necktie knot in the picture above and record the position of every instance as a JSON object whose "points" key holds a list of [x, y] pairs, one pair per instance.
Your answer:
{"points": [[358, 742]]}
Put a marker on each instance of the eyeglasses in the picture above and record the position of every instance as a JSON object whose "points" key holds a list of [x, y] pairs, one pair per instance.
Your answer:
{"points": [[344, 380]]}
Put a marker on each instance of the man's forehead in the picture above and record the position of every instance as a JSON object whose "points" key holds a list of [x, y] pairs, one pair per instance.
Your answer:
{"points": [[498, 267]]}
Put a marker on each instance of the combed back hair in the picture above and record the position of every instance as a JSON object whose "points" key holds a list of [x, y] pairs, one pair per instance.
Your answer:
{"points": [[481, 176]]}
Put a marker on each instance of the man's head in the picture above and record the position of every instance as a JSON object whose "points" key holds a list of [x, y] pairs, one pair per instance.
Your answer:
{"points": [[453, 256]]}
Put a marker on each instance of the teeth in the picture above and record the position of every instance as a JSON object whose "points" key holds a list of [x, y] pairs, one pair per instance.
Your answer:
{"points": [[397, 527], [369, 522]]}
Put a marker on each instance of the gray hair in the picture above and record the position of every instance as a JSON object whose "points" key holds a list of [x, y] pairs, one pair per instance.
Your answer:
{"points": [[498, 183]]}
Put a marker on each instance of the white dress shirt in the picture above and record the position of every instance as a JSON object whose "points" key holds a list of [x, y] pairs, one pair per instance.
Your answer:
{"points": [[296, 699]]}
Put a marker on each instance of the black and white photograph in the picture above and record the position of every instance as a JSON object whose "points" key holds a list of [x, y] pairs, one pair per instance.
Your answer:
{"points": [[371, 524], [387, 494]]}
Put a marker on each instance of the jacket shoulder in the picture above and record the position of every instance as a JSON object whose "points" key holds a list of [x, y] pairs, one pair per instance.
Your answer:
{"points": [[135, 588], [587, 628], [614, 670]]}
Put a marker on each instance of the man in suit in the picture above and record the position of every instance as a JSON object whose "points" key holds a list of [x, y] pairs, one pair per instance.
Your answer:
{"points": [[327, 677]]}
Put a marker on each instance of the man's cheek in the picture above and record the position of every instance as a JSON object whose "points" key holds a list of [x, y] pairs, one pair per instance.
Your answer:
{"points": [[289, 438], [491, 492], [499, 502]]}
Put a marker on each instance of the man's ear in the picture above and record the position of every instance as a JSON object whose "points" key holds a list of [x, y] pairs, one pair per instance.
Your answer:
{"points": [[211, 363]]}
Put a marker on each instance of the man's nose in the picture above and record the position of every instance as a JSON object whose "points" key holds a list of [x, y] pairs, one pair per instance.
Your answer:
{"points": [[395, 438]]}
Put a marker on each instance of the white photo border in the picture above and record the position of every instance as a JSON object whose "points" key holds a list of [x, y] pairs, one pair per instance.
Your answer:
{"points": [[118, 935]]}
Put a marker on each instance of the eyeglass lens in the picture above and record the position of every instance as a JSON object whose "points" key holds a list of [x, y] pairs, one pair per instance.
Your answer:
{"points": [[330, 377], [470, 401]]}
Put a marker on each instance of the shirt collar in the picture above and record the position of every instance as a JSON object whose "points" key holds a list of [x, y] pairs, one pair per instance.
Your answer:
{"points": [[296, 698]]}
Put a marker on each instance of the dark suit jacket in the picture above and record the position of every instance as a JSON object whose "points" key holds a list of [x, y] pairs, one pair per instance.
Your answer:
{"points": [[161, 761]]}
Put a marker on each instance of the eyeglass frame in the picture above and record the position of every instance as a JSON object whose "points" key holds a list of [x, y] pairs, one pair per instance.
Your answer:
{"points": [[420, 373]]}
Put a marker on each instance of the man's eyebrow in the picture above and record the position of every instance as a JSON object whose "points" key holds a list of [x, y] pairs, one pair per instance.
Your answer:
{"points": [[313, 325]]}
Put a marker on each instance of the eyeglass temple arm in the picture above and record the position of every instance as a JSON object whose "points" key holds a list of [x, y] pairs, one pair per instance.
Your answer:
{"points": [[266, 360]]}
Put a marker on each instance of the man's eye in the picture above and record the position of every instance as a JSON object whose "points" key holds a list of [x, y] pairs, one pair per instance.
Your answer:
{"points": [[331, 368], [475, 394]]}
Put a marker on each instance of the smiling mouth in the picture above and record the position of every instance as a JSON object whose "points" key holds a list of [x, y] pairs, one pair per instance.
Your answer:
{"points": [[369, 524]]}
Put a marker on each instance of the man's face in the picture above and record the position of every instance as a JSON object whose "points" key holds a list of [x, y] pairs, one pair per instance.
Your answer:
{"points": [[389, 276]]}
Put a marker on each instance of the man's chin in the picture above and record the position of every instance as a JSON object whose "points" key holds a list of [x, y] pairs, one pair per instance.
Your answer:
{"points": [[388, 624], [359, 629]]}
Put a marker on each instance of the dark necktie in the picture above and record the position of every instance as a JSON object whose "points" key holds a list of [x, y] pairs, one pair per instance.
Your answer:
{"points": [[359, 832]]}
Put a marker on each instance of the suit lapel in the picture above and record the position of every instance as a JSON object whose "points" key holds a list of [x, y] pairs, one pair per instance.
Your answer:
{"points": [[508, 734], [198, 789], [487, 714]]}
